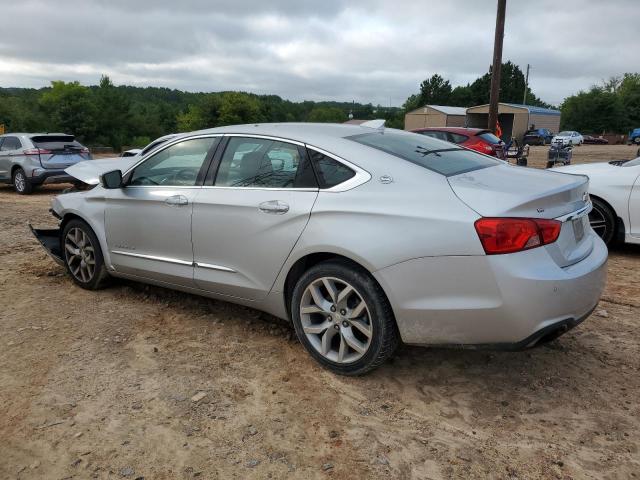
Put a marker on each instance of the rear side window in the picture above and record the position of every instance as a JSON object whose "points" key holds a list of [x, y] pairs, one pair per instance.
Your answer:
{"points": [[435, 134], [330, 172], [441, 157], [457, 138], [11, 143], [56, 142], [489, 138]]}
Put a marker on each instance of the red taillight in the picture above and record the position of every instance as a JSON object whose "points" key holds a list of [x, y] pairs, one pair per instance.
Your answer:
{"points": [[509, 235], [482, 147], [35, 151]]}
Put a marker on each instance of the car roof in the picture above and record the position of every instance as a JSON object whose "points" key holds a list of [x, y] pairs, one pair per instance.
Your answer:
{"points": [[24, 134]]}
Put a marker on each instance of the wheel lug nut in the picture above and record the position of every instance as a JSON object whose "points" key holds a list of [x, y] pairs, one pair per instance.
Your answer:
{"points": [[333, 308], [343, 312], [336, 326], [345, 324], [329, 318]]}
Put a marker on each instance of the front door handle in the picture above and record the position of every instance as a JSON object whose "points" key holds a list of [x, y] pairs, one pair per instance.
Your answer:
{"points": [[274, 206], [176, 200]]}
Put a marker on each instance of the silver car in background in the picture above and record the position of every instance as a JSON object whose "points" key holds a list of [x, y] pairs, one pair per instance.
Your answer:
{"points": [[31, 159], [363, 237]]}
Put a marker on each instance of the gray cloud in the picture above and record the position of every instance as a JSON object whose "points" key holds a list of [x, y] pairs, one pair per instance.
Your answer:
{"points": [[371, 51]]}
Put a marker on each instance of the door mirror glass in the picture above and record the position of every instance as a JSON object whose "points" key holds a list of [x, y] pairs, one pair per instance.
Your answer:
{"points": [[112, 179]]}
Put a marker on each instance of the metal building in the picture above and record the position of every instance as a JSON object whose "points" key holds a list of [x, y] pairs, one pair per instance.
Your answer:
{"points": [[435, 116], [515, 119]]}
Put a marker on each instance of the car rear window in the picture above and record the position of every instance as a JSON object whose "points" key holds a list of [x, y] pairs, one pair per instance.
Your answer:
{"points": [[56, 142], [489, 138], [430, 153]]}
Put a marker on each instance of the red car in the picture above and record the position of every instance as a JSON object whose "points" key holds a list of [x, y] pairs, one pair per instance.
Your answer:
{"points": [[477, 139]]}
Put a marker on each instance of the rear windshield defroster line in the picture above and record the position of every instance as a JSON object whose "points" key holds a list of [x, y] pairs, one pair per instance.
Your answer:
{"points": [[439, 156]]}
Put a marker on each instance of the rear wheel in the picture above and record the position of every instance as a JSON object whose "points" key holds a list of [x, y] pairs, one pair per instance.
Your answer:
{"points": [[343, 318], [83, 256], [20, 183], [603, 221]]}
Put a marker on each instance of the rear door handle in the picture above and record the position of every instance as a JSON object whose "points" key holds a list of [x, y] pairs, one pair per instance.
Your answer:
{"points": [[176, 200], [274, 206]]}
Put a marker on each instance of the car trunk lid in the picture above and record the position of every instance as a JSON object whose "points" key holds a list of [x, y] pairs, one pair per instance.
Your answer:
{"points": [[59, 151], [510, 191]]}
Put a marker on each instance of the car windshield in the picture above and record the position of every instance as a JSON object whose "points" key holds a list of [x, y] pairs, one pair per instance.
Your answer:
{"points": [[489, 138], [564, 134], [632, 163], [431, 153]]}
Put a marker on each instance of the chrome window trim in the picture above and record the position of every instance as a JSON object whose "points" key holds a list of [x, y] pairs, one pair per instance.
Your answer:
{"points": [[265, 137], [152, 257], [277, 189], [360, 178], [167, 145], [213, 267]]}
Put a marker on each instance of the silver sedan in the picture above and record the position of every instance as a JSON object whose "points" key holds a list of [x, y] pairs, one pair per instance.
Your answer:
{"points": [[361, 236]]}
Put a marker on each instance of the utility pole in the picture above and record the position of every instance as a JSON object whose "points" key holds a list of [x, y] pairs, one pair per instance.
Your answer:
{"points": [[526, 85], [494, 96]]}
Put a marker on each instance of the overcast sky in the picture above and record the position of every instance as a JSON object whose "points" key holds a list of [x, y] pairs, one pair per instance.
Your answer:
{"points": [[370, 51]]}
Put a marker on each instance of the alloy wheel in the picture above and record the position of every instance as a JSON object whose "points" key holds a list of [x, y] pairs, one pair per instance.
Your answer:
{"points": [[598, 221], [19, 181], [336, 320], [80, 255]]}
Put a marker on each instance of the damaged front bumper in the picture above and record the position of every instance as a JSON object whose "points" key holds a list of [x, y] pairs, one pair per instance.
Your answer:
{"points": [[50, 240]]}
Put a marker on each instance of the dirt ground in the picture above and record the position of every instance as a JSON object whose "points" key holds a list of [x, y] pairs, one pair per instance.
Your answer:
{"points": [[141, 382]]}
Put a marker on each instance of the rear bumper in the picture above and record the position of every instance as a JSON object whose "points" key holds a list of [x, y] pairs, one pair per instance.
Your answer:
{"points": [[50, 241], [51, 176], [500, 301]]}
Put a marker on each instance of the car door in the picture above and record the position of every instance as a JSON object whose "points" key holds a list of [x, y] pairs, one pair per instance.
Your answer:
{"points": [[634, 204], [248, 220], [148, 221], [9, 148]]}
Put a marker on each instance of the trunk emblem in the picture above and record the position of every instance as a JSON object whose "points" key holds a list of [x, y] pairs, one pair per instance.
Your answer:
{"points": [[540, 210], [385, 179]]}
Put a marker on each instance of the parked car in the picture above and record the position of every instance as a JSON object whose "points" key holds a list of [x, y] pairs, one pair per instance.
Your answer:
{"points": [[477, 139], [361, 236], [568, 137], [590, 140], [133, 152], [538, 136], [614, 188], [31, 159], [634, 136]]}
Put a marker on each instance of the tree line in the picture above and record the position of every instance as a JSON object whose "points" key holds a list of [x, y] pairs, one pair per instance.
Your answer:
{"points": [[117, 116]]}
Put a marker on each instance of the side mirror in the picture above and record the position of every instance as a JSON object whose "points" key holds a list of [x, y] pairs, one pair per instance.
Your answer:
{"points": [[112, 179]]}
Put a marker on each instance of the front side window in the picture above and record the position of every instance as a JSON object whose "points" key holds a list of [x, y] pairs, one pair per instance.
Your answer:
{"points": [[441, 157], [261, 163], [177, 165], [330, 172]]}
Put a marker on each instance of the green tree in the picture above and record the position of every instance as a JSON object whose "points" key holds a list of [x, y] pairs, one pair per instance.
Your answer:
{"points": [[629, 92], [113, 114], [327, 115], [70, 109], [239, 107], [595, 111]]}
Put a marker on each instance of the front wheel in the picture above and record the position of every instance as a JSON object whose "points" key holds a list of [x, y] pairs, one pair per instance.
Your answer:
{"points": [[343, 318], [20, 183], [603, 221], [83, 255]]}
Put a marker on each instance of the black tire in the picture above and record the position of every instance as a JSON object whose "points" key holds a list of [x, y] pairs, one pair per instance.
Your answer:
{"points": [[603, 221], [384, 337], [549, 164], [636, 140], [99, 276], [20, 182]]}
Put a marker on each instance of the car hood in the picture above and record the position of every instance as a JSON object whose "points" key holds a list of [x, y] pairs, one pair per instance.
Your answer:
{"points": [[89, 172], [510, 191]]}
